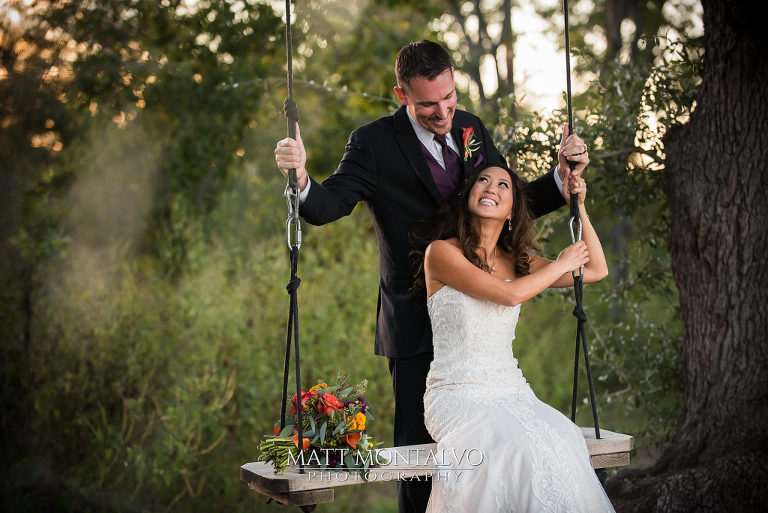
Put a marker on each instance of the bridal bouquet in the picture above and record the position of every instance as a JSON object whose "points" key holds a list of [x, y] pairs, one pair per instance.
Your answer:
{"points": [[334, 420]]}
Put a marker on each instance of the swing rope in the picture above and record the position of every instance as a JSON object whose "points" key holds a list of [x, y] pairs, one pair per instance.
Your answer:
{"points": [[293, 240], [578, 279]]}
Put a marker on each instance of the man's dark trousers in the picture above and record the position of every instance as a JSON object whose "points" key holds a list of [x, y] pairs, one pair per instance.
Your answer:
{"points": [[409, 381]]}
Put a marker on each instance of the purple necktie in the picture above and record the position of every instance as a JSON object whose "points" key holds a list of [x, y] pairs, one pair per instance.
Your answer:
{"points": [[451, 160]]}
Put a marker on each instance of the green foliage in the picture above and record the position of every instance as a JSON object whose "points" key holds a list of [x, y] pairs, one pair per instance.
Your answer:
{"points": [[144, 306], [158, 390]]}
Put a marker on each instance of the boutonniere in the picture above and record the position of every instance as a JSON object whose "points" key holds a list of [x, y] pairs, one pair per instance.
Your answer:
{"points": [[471, 144]]}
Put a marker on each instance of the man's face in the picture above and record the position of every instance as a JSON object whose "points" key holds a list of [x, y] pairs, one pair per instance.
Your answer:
{"points": [[431, 102]]}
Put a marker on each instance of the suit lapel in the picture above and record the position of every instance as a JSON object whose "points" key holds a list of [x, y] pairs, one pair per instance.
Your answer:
{"points": [[409, 143]]}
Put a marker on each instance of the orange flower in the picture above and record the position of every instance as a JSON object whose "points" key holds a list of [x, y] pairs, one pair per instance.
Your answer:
{"points": [[471, 145], [466, 134], [328, 403], [318, 387], [277, 430], [360, 421], [356, 422], [352, 439], [295, 439]]}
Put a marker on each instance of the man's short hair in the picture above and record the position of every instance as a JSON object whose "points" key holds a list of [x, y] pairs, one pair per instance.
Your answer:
{"points": [[425, 59]]}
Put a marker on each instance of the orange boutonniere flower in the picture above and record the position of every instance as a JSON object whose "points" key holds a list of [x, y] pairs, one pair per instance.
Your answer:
{"points": [[471, 144]]}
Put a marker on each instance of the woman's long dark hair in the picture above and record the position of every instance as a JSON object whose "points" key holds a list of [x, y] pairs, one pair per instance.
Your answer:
{"points": [[454, 219]]}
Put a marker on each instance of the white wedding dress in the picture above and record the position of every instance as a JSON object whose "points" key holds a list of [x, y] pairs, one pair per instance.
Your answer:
{"points": [[478, 406]]}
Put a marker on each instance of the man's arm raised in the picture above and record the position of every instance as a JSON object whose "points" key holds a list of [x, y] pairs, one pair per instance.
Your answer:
{"points": [[336, 197]]}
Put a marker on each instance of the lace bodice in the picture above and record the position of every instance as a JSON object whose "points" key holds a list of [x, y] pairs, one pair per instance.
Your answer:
{"points": [[472, 341]]}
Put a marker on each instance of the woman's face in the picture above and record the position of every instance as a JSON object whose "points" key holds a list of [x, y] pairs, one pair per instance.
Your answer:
{"points": [[491, 195]]}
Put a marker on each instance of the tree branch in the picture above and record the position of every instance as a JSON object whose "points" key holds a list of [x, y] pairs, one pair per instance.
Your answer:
{"points": [[628, 151]]}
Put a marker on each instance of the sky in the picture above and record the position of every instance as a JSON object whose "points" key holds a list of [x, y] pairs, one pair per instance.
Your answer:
{"points": [[539, 62]]}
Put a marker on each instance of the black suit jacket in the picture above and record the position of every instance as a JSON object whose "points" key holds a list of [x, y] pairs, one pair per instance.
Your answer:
{"points": [[384, 166]]}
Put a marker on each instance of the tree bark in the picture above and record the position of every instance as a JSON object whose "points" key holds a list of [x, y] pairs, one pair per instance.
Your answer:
{"points": [[716, 180]]}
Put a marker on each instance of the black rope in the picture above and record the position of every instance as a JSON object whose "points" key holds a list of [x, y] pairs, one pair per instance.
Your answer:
{"points": [[574, 197], [291, 112], [292, 287], [581, 341], [578, 279]]}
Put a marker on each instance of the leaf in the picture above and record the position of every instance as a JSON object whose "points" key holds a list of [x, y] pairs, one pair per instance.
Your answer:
{"points": [[349, 461], [287, 430], [323, 429], [369, 415], [338, 428], [345, 392], [312, 423]]}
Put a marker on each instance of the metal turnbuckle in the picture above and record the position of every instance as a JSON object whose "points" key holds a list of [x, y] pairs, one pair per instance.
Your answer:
{"points": [[292, 197], [574, 240]]}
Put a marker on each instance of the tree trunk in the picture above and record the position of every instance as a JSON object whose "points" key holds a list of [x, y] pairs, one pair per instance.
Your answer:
{"points": [[615, 12], [716, 181], [507, 86]]}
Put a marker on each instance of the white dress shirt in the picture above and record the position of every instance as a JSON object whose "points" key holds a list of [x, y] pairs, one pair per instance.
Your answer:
{"points": [[427, 138]]}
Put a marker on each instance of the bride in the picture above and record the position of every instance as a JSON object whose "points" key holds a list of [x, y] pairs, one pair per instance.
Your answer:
{"points": [[477, 271]]}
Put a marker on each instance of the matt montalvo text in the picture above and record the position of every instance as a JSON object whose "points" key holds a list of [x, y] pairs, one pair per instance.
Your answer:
{"points": [[398, 463]]}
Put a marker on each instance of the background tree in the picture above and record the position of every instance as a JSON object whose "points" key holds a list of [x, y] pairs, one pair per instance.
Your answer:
{"points": [[613, 29], [714, 176], [476, 22]]}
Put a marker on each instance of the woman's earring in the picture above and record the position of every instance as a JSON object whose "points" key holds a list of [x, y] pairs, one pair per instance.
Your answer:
{"points": [[509, 222]]}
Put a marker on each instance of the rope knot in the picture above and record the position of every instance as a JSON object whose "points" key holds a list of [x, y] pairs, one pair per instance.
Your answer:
{"points": [[293, 285], [579, 313], [290, 110]]}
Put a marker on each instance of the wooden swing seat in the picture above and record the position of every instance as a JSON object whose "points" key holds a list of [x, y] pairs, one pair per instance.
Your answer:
{"points": [[316, 486]]}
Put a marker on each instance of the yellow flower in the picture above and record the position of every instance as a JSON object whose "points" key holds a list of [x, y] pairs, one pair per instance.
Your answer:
{"points": [[360, 421], [356, 422], [317, 387]]}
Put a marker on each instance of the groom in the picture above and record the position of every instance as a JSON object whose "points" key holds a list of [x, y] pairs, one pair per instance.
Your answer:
{"points": [[404, 166]]}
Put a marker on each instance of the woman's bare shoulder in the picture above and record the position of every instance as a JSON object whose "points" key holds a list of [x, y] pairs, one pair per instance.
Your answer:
{"points": [[442, 245]]}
